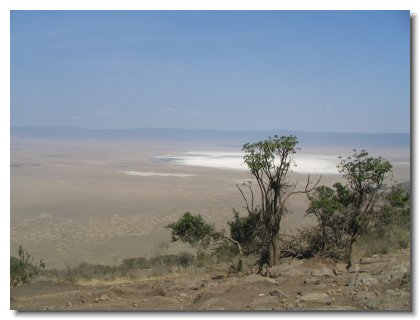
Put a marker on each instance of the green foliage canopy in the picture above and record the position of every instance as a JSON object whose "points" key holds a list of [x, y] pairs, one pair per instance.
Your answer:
{"points": [[192, 229]]}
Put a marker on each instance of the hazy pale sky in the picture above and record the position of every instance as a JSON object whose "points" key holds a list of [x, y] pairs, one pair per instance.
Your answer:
{"points": [[343, 71]]}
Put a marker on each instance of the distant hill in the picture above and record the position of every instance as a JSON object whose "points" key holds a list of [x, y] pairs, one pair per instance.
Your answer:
{"points": [[306, 138]]}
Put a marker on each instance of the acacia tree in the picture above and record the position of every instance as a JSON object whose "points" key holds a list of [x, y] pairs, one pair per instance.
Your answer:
{"points": [[199, 234], [269, 161], [365, 176], [192, 229], [327, 206]]}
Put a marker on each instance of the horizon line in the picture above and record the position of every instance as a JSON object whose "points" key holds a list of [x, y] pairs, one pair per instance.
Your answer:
{"points": [[205, 129]]}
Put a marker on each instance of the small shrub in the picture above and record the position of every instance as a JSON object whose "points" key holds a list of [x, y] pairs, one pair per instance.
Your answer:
{"points": [[185, 259], [384, 241], [23, 269], [192, 229], [225, 252], [136, 263]]}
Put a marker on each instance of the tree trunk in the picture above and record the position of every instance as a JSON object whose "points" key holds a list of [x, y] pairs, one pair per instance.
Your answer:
{"points": [[275, 251], [239, 267], [349, 264]]}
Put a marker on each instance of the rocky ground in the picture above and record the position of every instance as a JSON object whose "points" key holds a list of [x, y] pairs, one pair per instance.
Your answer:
{"points": [[374, 283]]}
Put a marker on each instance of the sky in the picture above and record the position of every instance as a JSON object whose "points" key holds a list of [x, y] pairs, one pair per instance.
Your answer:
{"points": [[325, 71]]}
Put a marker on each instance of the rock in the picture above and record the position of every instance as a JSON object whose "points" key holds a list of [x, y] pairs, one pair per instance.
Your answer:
{"points": [[397, 294], [321, 286], [323, 272], [397, 275], [161, 303], [173, 269], [265, 303], [397, 266], [364, 296], [373, 268], [293, 268], [278, 293], [186, 283], [312, 281], [316, 297], [231, 281], [354, 269], [339, 308], [384, 277], [339, 269], [218, 304], [360, 279], [104, 297], [257, 278], [366, 260], [159, 291], [183, 295], [373, 303]]}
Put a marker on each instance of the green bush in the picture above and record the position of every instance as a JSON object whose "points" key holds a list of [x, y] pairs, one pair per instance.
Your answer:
{"points": [[245, 231], [136, 263], [23, 269], [192, 229], [383, 241], [225, 252], [131, 268], [185, 259]]}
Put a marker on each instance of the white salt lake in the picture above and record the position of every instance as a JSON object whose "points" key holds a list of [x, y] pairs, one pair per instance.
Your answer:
{"points": [[157, 174], [305, 163]]}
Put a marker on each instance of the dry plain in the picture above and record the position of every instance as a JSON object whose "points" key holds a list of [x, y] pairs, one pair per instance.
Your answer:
{"points": [[72, 201]]}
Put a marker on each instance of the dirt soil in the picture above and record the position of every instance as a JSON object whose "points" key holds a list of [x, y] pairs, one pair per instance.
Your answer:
{"points": [[380, 282]]}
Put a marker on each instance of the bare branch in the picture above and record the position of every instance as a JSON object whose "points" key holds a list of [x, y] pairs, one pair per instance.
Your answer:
{"points": [[252, 196], [245, 199], [307, 190]]}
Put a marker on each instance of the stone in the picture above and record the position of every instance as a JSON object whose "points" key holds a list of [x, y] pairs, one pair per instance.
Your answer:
{"points": [[339, 269], [161, 303], [384, 277], [183, 295], [218, 304], [362, 279], [265, 303], [339, 308], [257, 278], [364, 296], [323, 272], [278, 293], [355, 268], [366, 260], [321, 286], [293, 268], [316, 297], [397, 275], [312, 281], [373, 268], [397, 294], [104, 297], [158, 291]]}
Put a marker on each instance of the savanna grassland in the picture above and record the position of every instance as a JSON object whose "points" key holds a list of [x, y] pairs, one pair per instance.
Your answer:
{"points": [[72, 202]]}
